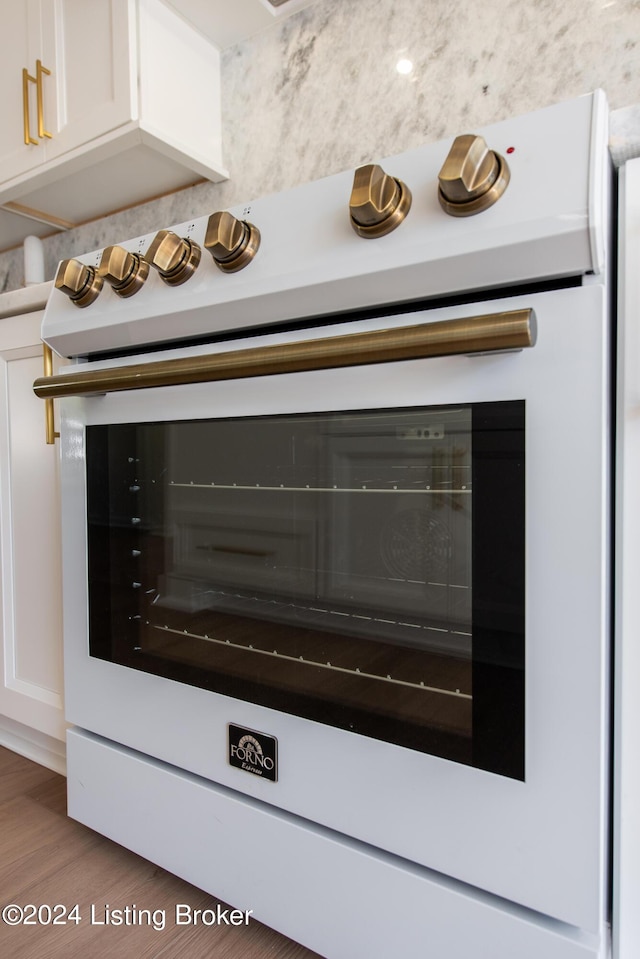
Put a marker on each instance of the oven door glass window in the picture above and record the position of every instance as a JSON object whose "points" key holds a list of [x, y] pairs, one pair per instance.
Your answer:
{"points": [[361, 569]]}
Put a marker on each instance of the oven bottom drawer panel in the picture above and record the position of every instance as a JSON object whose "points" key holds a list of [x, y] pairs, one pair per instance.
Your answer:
{"points": [[339, 897]]}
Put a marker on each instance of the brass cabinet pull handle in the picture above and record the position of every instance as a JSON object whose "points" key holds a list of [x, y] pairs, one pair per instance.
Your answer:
{"points": [[512, 330], [40, 70], [50, 430], [26, 80]]}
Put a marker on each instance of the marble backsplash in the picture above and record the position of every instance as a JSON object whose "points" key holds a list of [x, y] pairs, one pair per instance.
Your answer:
{"points": [[319, 93]]}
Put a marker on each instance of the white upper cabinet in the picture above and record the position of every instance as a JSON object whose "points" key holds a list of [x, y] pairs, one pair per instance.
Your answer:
{"points": [[91, 89], [228, 22], [20, 48], [105, 104]]}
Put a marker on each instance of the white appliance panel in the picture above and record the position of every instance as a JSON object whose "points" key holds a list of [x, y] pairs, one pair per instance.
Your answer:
{"points": [[626, 811], [539, 843], [339, 897], [548, 223]]}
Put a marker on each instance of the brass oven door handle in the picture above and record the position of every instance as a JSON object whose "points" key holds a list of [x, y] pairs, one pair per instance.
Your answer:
{"points": [[513, 330], [50, 430], [40, 71], [26, 80]]}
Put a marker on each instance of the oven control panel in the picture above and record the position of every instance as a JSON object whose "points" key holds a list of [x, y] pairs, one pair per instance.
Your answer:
{"points": [[516, 202]]}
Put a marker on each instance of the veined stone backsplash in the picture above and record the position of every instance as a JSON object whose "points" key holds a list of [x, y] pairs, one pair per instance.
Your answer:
{"points": [[319, 93]]}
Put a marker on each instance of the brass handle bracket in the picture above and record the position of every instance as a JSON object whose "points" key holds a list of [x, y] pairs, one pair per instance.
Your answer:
{"points": [[51, 434], [26, 80], [40, 72]]}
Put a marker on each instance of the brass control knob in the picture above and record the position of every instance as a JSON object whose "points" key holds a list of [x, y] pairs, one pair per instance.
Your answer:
{"points": [[124, 271], [472, 177], [79, 282], [232, 243], [173, 257], [379, 202]]}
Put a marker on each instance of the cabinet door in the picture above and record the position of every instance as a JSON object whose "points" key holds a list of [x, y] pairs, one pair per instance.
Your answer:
{"points": [[30, 560], [94, 90], [20, 47]]}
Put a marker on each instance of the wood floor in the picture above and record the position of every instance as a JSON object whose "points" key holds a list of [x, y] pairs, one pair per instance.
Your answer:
{"points": [[48, 859]]}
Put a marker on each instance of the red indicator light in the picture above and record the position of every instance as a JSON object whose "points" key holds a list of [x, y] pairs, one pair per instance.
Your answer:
{"points": [[511, 149]]}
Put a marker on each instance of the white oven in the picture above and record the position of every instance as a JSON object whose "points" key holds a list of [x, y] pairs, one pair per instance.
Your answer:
{"points": [[336, 549]]}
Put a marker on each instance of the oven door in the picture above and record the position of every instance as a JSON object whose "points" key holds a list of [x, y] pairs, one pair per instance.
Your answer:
{"points": [[375, 597]]}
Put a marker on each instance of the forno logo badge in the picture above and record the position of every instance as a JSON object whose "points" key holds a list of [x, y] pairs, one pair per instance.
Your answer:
{"points": [[253, 752], [249, 749]]}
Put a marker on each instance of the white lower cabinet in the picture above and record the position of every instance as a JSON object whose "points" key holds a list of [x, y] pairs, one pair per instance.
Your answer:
{"points": [[31, 691]]}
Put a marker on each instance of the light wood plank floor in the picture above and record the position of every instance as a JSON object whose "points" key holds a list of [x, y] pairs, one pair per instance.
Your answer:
{"points": [[46, 858]]}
